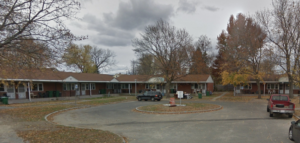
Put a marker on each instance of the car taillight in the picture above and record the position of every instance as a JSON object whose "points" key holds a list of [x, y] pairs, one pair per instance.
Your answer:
{"points": [[271, 105], [155, 95]]}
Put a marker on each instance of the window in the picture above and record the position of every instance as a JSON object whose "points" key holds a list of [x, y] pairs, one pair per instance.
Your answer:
{"points": [[173, 86], [109, 86], [296, 87], [158, 86], [147, 86], [66, 86], [248, 86], [93, 86], [125, 86], [1, 87], [37, 87], [272, 86], [152, 86], [280, 98]]}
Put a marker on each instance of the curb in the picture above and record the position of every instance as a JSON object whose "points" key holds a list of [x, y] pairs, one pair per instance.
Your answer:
{"points": [[46, 118], [215, 109], [296, 116]]}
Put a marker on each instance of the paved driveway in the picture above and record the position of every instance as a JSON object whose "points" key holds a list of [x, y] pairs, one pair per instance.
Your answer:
{"points": [[236, 123]]}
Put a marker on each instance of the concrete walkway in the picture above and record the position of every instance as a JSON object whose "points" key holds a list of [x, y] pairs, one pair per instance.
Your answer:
{"points": [[214, 99], [8, 135]]}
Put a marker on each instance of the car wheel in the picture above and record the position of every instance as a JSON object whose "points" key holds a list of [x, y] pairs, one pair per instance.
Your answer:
{"points": [[290, 115], [271, 115], [291, 134], [152, 99], [268, 110], [139, 99]]}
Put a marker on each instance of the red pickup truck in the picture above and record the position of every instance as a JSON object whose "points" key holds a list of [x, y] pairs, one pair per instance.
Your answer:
{"points": [[280, 104]]}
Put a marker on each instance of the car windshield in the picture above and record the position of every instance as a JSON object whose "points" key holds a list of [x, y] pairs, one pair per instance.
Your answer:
{"points": [[280, 98]]}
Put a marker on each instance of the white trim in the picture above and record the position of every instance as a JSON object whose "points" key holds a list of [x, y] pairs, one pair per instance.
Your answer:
{"points": [[114, 80], [209, 80], [70, 79]]}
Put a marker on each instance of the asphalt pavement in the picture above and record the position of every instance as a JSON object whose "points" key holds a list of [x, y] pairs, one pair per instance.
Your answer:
{"points": [[237, 122]]}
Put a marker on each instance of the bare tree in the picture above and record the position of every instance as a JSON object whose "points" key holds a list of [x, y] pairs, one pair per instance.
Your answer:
{"points": [[40, 21], [102, 58], [170, 48], [282, 24]]}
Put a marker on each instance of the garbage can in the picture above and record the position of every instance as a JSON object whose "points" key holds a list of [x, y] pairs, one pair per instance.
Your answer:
{"points": [[50, 93], [207, 93], [199, 95], [4, 100]]}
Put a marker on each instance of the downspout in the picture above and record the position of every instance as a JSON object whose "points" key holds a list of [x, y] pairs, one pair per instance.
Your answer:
{"points": [[29, 92]]}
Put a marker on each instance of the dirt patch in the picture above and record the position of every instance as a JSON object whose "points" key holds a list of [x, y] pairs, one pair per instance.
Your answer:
{"points": [[188, 109]]}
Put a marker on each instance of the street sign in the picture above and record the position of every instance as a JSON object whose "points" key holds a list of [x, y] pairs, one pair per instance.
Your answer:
{"points": [[180, 94]]}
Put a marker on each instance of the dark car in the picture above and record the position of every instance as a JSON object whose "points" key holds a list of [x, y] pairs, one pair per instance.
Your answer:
{"points": [[294, 131], [150, 95]]}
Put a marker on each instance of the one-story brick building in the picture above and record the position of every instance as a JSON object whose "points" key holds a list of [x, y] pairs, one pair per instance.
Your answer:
{"points": [[276, 84], [39, 83]]}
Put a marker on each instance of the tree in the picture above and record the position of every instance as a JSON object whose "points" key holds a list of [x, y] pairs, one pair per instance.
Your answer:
{"points": [[80, 58], [218, 64], [245, 40], [204, 44], [282, 25], [234, 78], [198, 65], [103, 59], [171, 49], [35, 22], [30, 20]]}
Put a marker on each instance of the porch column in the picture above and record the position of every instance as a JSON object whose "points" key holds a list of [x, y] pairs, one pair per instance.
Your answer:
{"points": [[29, 92], [264, 89], [129, 87], [135, 87], [90, 89]]}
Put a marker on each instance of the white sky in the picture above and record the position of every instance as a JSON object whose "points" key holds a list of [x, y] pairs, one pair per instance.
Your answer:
{"points": [[112, 24]]}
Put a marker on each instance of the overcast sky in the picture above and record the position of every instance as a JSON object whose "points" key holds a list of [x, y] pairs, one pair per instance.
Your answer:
{"points": [[112, 24]]}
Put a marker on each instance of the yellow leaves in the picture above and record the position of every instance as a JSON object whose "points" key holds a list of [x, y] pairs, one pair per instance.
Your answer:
{"points": [[234, 78]]}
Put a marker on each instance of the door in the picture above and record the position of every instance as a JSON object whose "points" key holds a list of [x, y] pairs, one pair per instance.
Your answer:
{"points": [[280, 88], [22, 91], [11, 92], [83, 89], [287, 88], [77, 89]]}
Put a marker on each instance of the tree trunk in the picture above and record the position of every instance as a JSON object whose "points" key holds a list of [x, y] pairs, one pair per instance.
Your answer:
{"points": [[234, 91], [258, 88], [168, 89], [291, 82]]}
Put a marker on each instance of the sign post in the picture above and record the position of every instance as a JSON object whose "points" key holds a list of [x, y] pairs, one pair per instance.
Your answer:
{"points": [[180, 95]]}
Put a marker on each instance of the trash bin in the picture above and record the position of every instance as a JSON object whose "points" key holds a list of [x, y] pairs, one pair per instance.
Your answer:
{"points": [[199, 95], [207, 93], [50, 93], [4, 100]]}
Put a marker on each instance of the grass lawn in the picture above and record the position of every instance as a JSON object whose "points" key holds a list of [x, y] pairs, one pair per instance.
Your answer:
{"points": [[28, 121], [188, 107], [240, 98]]}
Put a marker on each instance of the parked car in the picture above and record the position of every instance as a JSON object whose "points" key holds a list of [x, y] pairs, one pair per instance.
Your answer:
{"points": [[150, 95], [280, 104], [294, 131]]}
